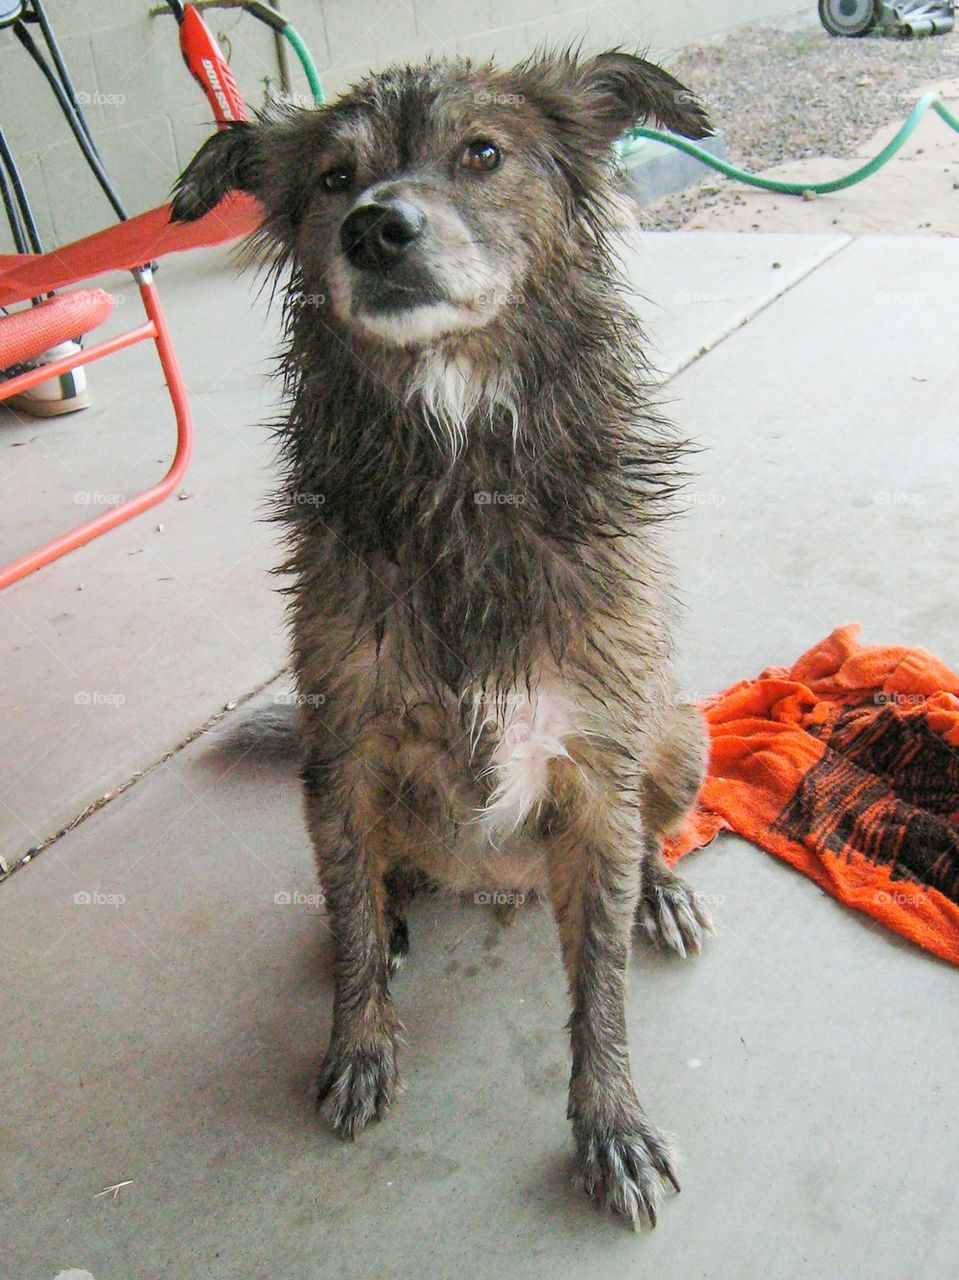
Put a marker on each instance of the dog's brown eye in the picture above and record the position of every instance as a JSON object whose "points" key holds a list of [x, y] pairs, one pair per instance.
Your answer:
{"points": [[337, 178], [481, 157]]}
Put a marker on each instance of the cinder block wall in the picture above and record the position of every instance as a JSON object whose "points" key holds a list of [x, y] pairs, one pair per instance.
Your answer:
{"points": [[148, 116]]}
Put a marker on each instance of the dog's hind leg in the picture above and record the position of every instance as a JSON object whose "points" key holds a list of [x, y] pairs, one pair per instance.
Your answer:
{"points": [[668, 910], [593, 874], [345, 814], [400, 887]]}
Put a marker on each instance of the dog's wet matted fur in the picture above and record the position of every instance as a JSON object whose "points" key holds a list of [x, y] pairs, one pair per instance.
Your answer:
{"points": [[474, 489]]}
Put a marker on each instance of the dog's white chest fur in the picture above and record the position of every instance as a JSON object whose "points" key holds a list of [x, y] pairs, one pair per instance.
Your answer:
{"points": [[500, 850], [451, 391], [531, 730]]}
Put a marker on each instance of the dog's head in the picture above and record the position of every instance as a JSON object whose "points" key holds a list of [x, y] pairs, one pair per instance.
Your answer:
{"points": [[420, 204]]}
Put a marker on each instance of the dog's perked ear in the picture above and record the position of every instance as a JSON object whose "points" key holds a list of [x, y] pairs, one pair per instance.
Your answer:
{"points": [[226, 162], [623, 91]]}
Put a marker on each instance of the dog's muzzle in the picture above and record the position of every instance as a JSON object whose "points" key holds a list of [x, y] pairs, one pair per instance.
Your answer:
{"points": [[378, 236]]}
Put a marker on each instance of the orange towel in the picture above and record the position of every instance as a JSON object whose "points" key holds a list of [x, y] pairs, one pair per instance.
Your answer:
{"points": [[846, 766]]}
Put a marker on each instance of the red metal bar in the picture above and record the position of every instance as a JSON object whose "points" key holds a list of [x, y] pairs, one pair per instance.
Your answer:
{"points": [[45, 372], [155, 328]]}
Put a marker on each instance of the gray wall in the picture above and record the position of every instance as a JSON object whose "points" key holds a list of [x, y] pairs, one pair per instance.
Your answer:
{"points": [[149, 117]]}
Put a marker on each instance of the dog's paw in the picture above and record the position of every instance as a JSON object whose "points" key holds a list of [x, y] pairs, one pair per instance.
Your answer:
{"points": [[670, 913], [398, 943], [625, 1167], [357, 1083]]}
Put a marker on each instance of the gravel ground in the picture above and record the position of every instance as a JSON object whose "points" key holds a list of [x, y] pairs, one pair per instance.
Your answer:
{"points": [[789, 95]]}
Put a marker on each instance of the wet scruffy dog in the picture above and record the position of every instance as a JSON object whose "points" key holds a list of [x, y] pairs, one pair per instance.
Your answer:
{"points": [[474, 486]]}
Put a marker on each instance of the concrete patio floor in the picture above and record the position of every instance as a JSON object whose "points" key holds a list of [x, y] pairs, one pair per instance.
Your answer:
{"points": [[166, 1033]]}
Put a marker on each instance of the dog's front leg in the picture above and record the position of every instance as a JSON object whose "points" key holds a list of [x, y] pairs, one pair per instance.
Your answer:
{"points": [[358, 1078], [593, 878]]}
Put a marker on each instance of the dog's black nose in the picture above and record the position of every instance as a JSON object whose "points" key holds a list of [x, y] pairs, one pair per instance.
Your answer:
{"points": [[377, 235]]}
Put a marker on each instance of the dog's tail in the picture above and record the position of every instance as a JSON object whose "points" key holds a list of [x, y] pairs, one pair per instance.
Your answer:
{"points": [[272, 732]]}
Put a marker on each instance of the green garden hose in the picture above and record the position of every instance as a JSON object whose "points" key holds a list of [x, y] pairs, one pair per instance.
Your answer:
{"points": [[309, 66], [628, 145], [273, 18]]}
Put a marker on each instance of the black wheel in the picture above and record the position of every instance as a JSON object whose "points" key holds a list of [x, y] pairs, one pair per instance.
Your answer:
{"points": [[849, 17]]}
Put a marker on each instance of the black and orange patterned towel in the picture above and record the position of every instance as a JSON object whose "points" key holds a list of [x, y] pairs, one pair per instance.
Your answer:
{"points": [[847, 766]]}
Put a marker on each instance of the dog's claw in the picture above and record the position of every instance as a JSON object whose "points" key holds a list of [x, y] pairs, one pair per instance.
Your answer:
{"points": [[670, 914], [625, 1169], [357, 1085]]}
